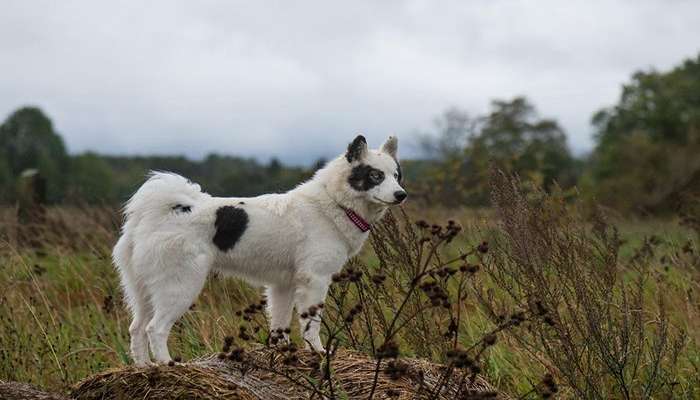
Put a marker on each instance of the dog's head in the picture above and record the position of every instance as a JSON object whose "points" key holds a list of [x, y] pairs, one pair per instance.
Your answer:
{"points": [[375, 175]]}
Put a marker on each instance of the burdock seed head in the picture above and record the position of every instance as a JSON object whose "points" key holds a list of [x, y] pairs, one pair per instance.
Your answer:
{"points": [[228, 341], [490, 339], [388, 350], [378, 279], [236, 354], [396, 369], [549, 386]]}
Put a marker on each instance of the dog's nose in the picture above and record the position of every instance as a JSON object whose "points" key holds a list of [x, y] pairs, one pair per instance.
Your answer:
{"points": [[400, 195]]}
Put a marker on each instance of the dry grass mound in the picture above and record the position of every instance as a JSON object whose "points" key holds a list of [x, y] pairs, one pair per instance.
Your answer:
{"points": [[261, 374], [24, 391]]}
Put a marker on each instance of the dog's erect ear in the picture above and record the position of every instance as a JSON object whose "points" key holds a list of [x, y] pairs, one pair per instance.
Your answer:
{"points": [[391, 146], [357, 150]]}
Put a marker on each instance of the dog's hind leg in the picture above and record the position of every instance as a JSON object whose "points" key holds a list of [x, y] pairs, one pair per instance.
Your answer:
{"points": [[171, 296], [136, 298], [280, 302], [141, 313]]}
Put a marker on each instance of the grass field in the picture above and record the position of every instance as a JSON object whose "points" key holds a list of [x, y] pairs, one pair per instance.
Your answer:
{"points": [[62, 317]]}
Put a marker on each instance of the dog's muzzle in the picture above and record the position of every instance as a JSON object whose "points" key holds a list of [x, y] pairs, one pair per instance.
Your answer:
{"points": [[400, 196]]}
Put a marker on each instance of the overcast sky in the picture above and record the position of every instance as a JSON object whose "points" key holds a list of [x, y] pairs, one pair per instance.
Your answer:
{"points": [[299, 79]]}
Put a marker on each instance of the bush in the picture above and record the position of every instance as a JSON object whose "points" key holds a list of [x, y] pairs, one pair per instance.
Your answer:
{"points": [[605, 327]]}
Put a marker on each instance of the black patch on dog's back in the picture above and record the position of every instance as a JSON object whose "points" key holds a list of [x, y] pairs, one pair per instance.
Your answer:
{"points": [[230, 224], [360, 178]]}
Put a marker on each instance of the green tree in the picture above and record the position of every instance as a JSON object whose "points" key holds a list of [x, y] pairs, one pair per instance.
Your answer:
{"points": [[649, 141], [274, 168], [511, 135], [5, 178], [516, 139], [665, 106], [28, 140], [91, 179]]}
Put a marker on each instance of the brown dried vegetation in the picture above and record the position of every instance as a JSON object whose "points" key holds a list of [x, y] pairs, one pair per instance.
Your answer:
{"points": [[605, 329], [549, 302]]}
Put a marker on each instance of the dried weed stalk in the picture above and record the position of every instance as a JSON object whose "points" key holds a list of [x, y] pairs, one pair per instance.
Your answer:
{"points": [[601, 328], [410, 301]]}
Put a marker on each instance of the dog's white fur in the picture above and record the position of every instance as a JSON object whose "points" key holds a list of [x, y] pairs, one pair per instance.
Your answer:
{"points": [[293, 243]]}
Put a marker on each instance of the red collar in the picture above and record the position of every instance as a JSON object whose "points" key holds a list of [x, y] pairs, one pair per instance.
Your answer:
{"points": [[359, 222]]}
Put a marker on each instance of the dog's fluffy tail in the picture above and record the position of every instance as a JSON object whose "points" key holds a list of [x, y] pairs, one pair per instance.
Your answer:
{"points": [[151, 206], [160, 195]]}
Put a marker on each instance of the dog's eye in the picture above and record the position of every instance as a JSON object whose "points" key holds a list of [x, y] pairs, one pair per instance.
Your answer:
{"points": [[376, 176]]}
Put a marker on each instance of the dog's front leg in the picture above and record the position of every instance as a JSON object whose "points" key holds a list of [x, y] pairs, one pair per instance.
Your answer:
{"points": [[280, 302], [310, 292]]}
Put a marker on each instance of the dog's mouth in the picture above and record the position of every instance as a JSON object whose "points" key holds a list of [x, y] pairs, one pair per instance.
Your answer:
{"points": [[388, 203]]}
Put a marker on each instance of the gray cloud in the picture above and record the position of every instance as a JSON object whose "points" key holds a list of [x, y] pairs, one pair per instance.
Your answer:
{"points": [[298, 80]]}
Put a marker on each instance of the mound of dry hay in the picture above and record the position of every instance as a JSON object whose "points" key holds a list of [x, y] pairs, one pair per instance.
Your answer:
{"points": [[213, 378], [24, 391]]}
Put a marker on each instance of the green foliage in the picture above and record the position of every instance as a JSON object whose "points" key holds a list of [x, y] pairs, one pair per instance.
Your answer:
{"points": [[666, 106], [28, 140], [651, 176], [516, 140], [647, 144], [511, 136], [218, 175], [5, 177], [91, 179]]}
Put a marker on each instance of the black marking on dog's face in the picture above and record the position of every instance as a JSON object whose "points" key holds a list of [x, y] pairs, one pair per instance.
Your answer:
{"points": [[181, 208], [230, 224], [356, 148], [364, 177], [399, 174]]}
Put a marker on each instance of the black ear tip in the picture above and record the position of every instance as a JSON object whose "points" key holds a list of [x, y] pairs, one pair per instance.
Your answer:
{"points": [[356, 148]]}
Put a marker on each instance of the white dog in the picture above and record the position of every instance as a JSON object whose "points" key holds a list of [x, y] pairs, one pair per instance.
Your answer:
{"points": [[292, 243]]}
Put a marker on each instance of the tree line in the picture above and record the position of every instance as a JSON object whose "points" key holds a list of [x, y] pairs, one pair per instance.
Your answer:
{"points": [[29, 141], [645, 157]]}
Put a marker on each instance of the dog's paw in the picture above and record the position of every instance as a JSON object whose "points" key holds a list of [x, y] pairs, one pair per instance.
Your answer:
{"points": [[317, 347], [144, 363]]}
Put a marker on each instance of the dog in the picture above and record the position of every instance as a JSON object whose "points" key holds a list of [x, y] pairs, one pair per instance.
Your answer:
{"points": [[292, 243]]}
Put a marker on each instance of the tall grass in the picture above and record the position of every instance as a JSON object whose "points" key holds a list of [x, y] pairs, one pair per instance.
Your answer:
{"points": [[61, 315], [608, 328], [61, 311]]}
